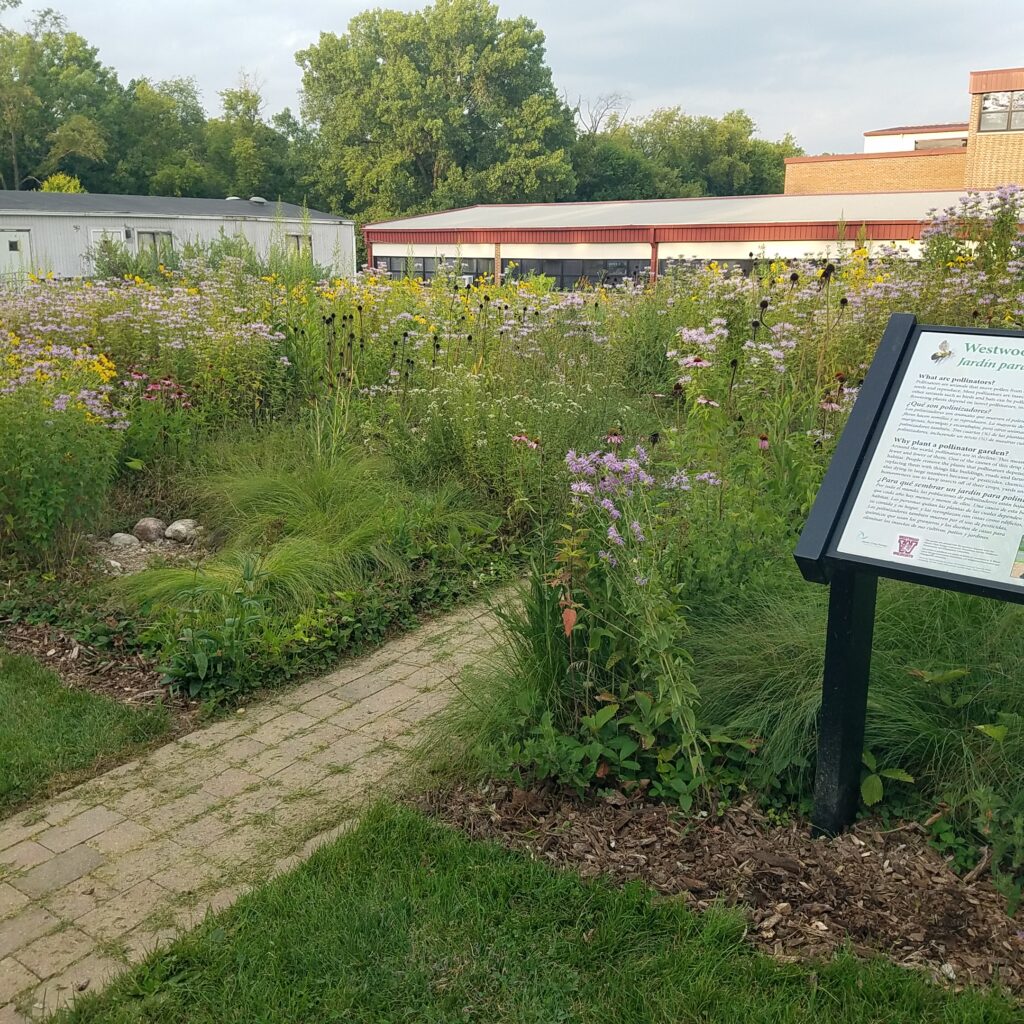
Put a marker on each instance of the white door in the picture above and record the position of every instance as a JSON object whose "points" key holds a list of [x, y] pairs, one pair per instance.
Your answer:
{"points": [[15, 252]]}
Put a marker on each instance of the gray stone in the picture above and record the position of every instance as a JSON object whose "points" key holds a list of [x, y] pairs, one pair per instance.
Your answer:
{"points": [[150, 529], [184, 531], [125, 540]]}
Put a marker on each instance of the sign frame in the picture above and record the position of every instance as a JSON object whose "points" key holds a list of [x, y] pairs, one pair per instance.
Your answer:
{"points": [[853, 578]]}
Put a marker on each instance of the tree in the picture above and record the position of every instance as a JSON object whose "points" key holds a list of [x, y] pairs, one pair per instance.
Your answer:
{"points": [[61, 182], [609, 165], [434, 108], [54, 98], [248, 156], [159, 141], [715, 157]]}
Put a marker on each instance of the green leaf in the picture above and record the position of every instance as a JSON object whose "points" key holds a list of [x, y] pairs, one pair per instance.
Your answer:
{"points": [[869, 760], [135, 465], [614, 658], [601, 718], [871, 790], [896, 773], [996, 732]]}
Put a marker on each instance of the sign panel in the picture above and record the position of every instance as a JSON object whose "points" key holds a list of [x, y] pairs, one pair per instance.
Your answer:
{"points": [[943, 485]]}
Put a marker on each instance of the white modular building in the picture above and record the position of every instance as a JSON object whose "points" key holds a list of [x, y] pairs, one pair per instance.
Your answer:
{"points": [[609, 241], [56, 232]]}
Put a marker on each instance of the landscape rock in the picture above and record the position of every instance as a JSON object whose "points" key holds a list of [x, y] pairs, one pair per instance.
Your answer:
{"points": [[125, 540], [184, 531], [150, 529]]}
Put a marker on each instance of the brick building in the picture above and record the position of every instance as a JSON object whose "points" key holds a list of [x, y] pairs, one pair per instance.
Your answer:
{"points": [[984, 152]]}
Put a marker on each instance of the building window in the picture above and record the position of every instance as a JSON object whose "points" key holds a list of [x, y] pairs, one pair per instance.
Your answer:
{"points": [[960, 143], [156, 240], [13, 246], [1002, 112], [301, 245]]}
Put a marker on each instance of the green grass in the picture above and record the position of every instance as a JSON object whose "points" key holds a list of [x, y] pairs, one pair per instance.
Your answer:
{"points": [[406, 920], [50, 734]]}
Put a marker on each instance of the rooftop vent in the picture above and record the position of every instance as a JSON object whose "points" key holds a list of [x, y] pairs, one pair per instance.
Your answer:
{"points": [[258, 199], [229, 198]]}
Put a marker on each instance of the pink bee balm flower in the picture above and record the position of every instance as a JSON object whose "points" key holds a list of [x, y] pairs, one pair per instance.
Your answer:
{"points": [[830, 406]]}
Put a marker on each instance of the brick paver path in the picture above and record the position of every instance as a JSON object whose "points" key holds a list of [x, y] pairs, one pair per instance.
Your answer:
{"points": [[95, 879]]}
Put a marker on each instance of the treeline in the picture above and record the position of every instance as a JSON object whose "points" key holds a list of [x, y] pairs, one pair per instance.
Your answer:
{"points": [[404, 112]]}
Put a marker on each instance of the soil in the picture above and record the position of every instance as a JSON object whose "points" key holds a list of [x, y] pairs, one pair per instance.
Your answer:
{"points": [[875, 890], [119, 674]]}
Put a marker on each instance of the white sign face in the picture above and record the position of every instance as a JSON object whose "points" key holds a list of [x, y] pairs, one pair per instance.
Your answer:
{"points": [[945, 486]]}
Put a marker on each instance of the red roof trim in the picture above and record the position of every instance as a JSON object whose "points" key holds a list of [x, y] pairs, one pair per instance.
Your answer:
{"points": [[920, 129], [900, 154], [823, 231]]}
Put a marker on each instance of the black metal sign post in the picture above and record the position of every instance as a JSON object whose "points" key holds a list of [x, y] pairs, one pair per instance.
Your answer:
{"points": [[824, 555]]}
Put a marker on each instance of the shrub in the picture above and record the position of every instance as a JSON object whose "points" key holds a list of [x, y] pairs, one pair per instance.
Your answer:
{"points": [[59, 440]]}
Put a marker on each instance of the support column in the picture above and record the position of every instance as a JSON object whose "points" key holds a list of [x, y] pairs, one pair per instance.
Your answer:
{"points": [[654, 255], [844, 700], [497, 263]]}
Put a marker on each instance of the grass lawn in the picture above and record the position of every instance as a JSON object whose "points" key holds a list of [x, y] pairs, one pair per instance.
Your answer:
{"points": [[50, 733], [405, 920]]}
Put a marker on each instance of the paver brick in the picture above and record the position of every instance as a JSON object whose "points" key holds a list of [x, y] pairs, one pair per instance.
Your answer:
{"points": [[87, 975], [50, 954], [14, 832], [323, 706], [231, 782], [374, 706], [283, 726], [21, 929], [60, 870], [118, 916], [125, 872], [25, 855], [79, 828], [78, 899], [124, 836], [10, 899], [14, 979], [9, 1015]]}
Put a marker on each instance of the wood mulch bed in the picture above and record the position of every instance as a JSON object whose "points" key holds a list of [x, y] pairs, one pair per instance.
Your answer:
{"points": [[875, 890], [120, 674]]}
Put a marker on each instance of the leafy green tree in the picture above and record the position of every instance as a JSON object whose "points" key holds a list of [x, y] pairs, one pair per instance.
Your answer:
{"points": [[159, 141], [55, 97], [247, 155], [434, 108], [713, 156]]}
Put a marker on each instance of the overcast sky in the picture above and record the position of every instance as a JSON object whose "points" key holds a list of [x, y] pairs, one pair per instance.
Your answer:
{"points": [[824, 71]]}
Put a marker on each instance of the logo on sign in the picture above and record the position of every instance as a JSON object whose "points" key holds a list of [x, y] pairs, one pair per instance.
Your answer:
{"points": [[905, 546]]}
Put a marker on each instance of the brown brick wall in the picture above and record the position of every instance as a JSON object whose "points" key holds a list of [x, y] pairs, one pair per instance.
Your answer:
{"points": [[993, 158], [922, 171]]}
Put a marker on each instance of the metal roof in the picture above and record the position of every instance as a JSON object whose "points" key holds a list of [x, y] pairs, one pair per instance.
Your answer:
{"points": [[921, 129], [780, 209], [91, 204]]}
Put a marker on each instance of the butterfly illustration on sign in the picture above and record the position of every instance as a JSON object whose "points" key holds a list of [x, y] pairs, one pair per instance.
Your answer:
{"points": [[943, 352]]}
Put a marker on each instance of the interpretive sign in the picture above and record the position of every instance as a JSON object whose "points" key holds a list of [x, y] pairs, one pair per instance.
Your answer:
{"points": [[926, 485]]}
